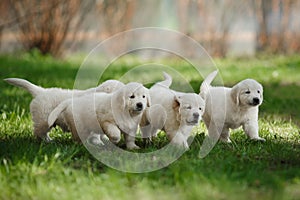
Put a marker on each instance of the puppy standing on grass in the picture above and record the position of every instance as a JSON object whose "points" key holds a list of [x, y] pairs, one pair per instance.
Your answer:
{"points": [[229, 108], [46, 99], [99, 113], [174, 112]]}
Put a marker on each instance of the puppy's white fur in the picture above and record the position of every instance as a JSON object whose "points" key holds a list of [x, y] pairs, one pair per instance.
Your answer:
{"points": [[103, 113], [46, 99], [230, 108], [176, 113]]}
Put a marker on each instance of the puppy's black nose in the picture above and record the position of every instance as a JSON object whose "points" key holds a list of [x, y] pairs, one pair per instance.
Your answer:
{"points": [[139, 106], [196, 115], [256, 101]]}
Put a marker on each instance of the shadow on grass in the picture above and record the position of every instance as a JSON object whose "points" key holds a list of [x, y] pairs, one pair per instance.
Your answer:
{"points": [[244, 163], [248, 163], [63, 152]]}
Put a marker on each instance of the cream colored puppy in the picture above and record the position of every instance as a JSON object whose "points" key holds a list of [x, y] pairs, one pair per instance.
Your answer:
{"points": [[46, 99], [176, 113], [103, 113], [230, 108]]}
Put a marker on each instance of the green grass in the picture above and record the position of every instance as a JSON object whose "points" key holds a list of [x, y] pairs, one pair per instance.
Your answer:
{"points": [[65, 170]]}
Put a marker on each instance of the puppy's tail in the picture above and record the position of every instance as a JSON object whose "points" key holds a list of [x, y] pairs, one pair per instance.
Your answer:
{"points": [[57, 111], [22, 83], [206, 83], [168, 80]]}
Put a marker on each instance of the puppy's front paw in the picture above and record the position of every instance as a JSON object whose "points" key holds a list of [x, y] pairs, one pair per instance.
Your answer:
{"points": [[148, 141], [258, 139], [104, 137], [48, 139], [132, 146], [180, 141], [225, 140], [114, 138], [94, 139], [182, 145]]}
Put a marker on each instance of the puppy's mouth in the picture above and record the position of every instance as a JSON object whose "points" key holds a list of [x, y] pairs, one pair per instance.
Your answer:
{"points": [[192, 122], [136, 110]]}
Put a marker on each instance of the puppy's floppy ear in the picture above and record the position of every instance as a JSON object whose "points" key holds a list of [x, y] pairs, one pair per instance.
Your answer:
{"points": [[148, 98], [121, 115], [235, 94], [261, 89], [118, 100], [176, 102]]}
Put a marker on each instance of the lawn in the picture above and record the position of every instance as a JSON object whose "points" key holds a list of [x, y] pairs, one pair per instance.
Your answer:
{"points": [[241, 170]]}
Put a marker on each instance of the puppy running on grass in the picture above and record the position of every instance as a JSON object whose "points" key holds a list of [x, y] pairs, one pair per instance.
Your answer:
{"points": [[174, 112], [105, 114], [229, 108], [46, 99]]}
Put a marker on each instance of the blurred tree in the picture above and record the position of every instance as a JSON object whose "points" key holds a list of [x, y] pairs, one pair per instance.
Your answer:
{"points": [[46, 24], [215, 18], [116, 15], [183, 15], [274, 32], [218, 17], [4, 16]]}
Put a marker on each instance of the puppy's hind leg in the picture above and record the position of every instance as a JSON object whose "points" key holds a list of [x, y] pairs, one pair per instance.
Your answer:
{"points": [[146, 129], [41, 131], [39, 114], [224, 137], [146, 132]]}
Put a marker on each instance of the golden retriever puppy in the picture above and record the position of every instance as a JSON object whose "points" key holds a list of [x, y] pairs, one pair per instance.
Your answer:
{"points": [[105, 114], [46, 99], [230, 108], [178, 111]]}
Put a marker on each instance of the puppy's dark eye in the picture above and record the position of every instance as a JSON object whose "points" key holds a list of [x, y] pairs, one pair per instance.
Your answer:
{"points": [[144, 96], [200, 108], [247, 92], [132, 96], [189, 107], [258, 91]]}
